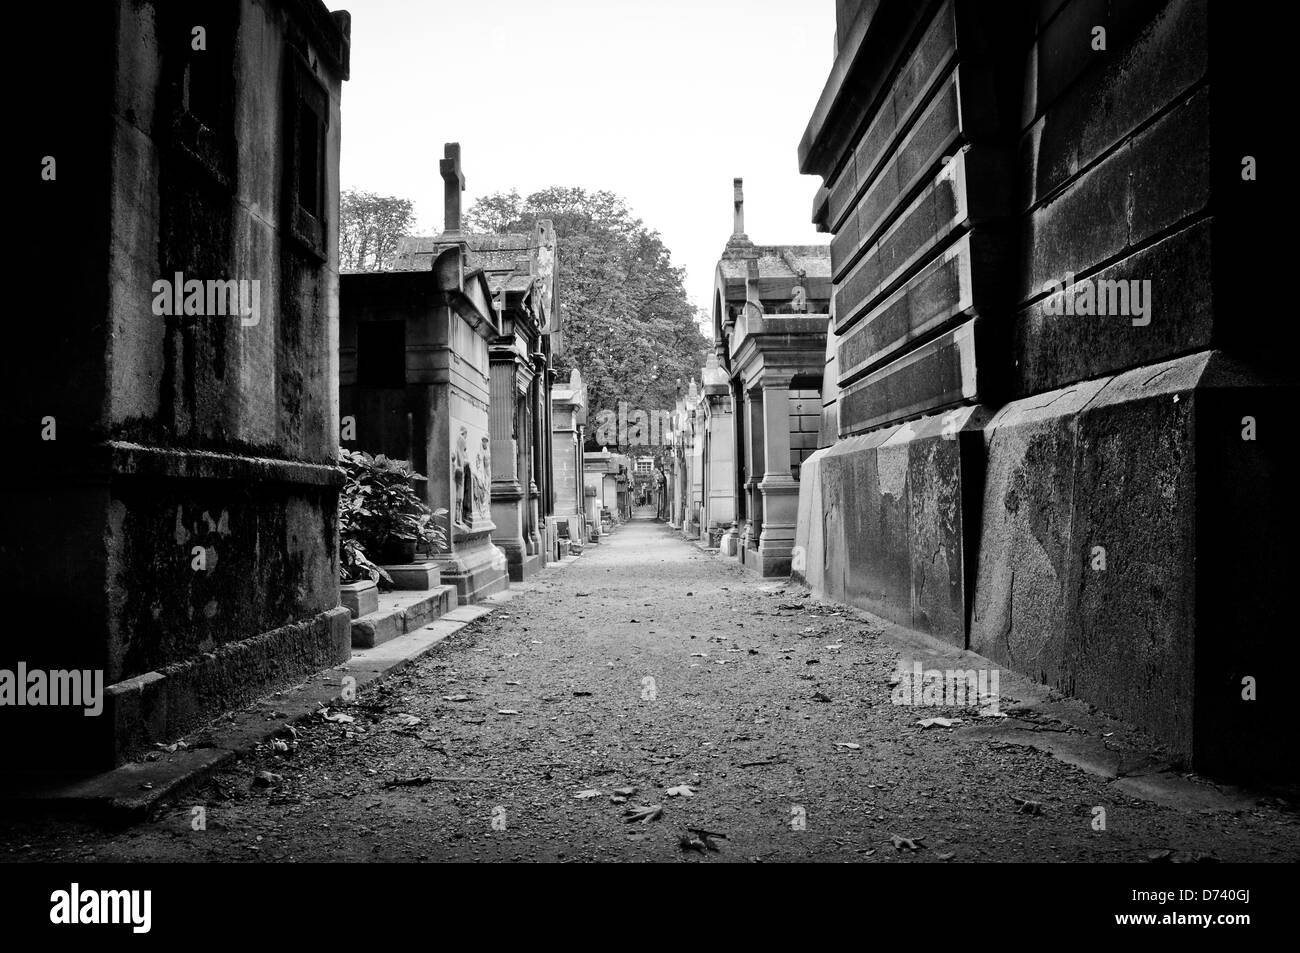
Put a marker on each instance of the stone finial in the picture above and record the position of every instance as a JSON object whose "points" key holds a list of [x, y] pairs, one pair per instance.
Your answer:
{"points": [[738, 245], [453, 184]]}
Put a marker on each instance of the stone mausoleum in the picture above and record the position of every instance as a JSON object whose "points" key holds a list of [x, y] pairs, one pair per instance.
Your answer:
{"points": [[172, 527], [568, 433], [760, 411], [415, 383], [1058, 414], [522, 275]]}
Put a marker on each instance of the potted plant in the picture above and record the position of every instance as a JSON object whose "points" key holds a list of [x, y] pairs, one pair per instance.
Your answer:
{"points": [[381, 513]]}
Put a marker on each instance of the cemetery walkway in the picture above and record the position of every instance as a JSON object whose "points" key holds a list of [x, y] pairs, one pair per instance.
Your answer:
{"points": [[726, 704]]}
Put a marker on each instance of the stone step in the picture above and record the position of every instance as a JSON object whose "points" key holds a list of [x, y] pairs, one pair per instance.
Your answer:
{"points": [[401, 612]]}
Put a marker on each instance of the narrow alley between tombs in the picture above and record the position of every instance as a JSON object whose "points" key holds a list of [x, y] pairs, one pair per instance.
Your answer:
{"points": [[742, 720]]}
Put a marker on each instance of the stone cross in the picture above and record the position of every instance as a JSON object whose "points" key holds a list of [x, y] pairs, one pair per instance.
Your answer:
{"points": [[739, 227], [453, 181]]}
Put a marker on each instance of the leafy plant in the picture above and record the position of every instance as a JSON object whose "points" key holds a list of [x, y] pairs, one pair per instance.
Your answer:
{"points": [[378, 506], [355, 565]]}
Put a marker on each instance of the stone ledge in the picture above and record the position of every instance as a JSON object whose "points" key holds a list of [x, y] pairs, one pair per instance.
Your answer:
{"points": [[119, 796]]}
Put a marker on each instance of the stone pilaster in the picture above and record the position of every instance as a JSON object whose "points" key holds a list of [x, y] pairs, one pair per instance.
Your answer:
{"points": [[779, 489]]}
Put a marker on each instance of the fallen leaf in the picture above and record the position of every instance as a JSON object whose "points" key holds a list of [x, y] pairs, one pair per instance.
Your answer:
{"points": [[939, 722], [506, 711], [585, 795], [337, 717], [644, 813], [851, 745], [906, 843], [1027, 807], [455, 698], [687, 842], [708, 838], [684, 790]]}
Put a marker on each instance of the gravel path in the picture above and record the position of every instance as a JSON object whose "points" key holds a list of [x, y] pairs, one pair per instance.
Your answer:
{"points": [[736, 706]]}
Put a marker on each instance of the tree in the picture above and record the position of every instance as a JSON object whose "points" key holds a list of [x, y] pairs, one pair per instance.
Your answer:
{"points": [[369, 228], [627, 323]]}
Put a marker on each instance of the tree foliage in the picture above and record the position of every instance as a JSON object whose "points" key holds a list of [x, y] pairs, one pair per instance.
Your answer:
{"points": [[369, 228], [628, 325]]}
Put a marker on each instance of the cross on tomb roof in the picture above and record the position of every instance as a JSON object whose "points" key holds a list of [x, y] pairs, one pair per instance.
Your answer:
{"points": [[453, 185]]}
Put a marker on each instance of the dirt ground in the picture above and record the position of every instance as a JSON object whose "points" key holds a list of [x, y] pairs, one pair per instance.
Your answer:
{"points": [[736, 706]]}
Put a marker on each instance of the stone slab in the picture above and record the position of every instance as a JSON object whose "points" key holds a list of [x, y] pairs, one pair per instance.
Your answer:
{"points": [[416, 576], [400, 612]]}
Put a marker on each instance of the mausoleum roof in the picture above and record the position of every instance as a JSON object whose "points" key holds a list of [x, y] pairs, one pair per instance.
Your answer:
{"points": [[781, 261]]}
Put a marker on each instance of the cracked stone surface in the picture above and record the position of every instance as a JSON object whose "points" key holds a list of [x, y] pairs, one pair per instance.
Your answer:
{"points": [[758, 720]]}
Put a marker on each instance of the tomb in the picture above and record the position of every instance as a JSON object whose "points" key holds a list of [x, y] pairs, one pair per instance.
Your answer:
{"points": [[212, 429], [605, 476], [988, 443], [521, 273], [568, 432], [415, 379], [762, 403]]}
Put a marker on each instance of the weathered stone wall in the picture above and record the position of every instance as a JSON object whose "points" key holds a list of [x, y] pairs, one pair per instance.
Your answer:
{"points": [[1076, 521], [196, 459]]}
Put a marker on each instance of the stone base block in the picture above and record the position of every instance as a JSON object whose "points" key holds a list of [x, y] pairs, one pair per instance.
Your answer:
{"points": [[898, 521], [524, 567], [418, 576], [361, 598], [769, 564], [1138, 542], [477, 570]]}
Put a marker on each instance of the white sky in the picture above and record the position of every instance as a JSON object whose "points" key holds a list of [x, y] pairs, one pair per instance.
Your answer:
{"points": [[661, 101]]}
